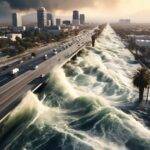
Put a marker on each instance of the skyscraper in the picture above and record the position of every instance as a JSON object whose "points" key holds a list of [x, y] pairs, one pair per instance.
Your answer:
{"points": [[50, 19], [41, 17], [16, 20], [58, 22], [76, 19], [82, 19]]}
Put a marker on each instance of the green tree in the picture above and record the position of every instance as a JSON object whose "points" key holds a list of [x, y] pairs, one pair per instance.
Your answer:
{"points": [[141, 80]]}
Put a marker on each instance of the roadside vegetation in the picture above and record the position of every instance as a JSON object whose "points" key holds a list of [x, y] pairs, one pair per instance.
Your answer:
{"points": [[31, 39], [141, 80]]}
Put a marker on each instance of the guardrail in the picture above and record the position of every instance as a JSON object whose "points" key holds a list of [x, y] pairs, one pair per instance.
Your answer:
{"points": [[10, 92]]}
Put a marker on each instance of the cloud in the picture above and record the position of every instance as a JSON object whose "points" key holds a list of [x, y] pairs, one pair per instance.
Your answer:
{"points": [[58, 4], [49, 4], [8, 6], [4, 8]]}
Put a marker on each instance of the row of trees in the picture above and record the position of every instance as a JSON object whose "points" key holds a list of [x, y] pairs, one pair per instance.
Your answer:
{"points": [[141, 80], [31, 38]]}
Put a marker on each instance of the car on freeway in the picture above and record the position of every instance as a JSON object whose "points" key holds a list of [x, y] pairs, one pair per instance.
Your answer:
{"points": [[14, 71], [42, 75], [21, 61], [45, 57], [55, 53], [31, 67], [62, 48], [55, 50], [35, 67]]}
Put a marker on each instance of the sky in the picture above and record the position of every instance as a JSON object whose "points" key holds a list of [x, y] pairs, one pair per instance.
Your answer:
{"points": [[95, 10]]}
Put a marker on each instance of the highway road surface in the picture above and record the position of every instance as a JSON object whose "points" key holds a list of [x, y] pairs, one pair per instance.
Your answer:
{"points": [[6, 76], [14, 87]]}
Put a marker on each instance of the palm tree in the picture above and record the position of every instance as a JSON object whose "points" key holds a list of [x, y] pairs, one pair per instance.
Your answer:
{"points": [[148, 88], [141, 80]]}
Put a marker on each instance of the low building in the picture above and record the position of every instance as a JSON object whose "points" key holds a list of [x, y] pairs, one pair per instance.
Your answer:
{"points": [[64, 29], [55, 30], [140, 40], [143, 43], [19, 29], [124, 21], [67, 22], [13, 36], [75, 27], [3, 37], [58, 22]]}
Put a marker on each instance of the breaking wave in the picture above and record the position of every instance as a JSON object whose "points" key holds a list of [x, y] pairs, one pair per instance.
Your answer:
{"points": [[80, 107]]}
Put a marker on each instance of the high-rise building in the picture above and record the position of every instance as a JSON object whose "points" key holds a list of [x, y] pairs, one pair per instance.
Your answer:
{"points": [[16, 20], [41, 17], [82, 19], [58, 22], [76, 19], [50, 19]]}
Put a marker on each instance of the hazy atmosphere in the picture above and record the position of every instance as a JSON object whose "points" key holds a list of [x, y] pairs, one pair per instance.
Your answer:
{"points": [[97, 10], [74, 74]]}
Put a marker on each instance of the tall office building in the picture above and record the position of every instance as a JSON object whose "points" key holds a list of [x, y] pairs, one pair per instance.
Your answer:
{"points": [[82, 19], [50, 19], [58, 22], [41, 17], [16, 20], [76, 19]]}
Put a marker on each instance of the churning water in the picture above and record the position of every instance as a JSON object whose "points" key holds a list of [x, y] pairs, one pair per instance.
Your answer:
{"points": [[85, 106]]}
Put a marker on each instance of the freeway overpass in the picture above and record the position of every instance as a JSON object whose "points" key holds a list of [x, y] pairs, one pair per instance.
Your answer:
{"points": [[13, 90]]}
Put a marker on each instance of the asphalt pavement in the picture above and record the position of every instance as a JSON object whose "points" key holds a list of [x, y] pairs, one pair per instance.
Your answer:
{"points": [[15, 86]]}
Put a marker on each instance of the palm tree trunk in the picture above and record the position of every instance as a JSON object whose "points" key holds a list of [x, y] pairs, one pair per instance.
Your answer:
{"points": [[93, 42], [147, 94], [141, 93]]}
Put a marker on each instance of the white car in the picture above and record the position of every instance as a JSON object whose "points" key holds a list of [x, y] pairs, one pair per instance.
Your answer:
{"points": [[55, 53], [21, 61], [45, 57], [35, 67], [14, 71]]}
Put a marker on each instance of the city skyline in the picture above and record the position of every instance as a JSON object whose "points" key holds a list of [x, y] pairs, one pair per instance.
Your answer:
{"points": [[97, 11], [45, 18], [74, 74]]}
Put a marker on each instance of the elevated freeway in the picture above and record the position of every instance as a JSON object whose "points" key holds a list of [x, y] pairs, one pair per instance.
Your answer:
{"points": [[13, 89]]}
